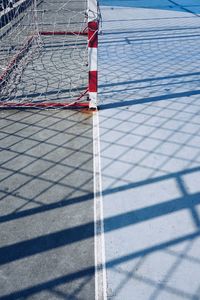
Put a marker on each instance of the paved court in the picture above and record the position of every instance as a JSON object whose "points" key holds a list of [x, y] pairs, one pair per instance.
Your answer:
{"points": [[46, 205], [150, 148], [149, 92], [46, 162]]}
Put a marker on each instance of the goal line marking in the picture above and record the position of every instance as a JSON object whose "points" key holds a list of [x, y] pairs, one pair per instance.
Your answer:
{"points": [[99, 240]]}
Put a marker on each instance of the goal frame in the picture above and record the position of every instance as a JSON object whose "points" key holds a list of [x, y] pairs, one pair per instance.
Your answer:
{"points": [[91, 31]]}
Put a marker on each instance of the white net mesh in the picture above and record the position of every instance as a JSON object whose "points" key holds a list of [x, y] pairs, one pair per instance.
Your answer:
{"points": [[44, 52]]}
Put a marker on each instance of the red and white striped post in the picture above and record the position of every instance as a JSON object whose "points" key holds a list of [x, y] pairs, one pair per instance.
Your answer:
{"points": [[93, 26]]}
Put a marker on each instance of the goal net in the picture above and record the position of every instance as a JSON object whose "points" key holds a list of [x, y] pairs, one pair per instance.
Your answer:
{"points": [[48, 53]]}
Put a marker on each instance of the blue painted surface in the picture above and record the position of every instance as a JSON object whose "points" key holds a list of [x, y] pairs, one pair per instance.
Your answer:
{"points": [[150, 141]]}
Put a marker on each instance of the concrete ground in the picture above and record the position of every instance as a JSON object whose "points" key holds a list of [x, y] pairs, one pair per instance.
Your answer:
{"points": [[149, 61], [150, 148], [46, 205], [46, 166]]}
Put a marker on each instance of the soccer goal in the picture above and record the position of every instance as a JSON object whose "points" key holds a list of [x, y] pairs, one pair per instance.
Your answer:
{"points": [[48, 53]]}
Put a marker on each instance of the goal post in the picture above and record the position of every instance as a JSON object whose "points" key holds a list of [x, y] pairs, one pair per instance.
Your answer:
{"points": [[48, 54], [93, 26]]}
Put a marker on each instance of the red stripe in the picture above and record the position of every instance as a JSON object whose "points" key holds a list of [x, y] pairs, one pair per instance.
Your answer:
{"points": [[93, 81], [63, 33], [43, 105], [75, 104], [93, 34]]}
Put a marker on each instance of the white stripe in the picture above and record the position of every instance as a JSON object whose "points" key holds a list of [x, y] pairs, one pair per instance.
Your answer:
{"points": [[100, 266], [92, 59], [92, 10], [93, 99]]}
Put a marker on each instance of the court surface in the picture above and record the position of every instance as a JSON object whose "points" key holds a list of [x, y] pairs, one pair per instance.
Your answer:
{"points": [[46, 206], [149, 93], [46, 176], [150, 148]]}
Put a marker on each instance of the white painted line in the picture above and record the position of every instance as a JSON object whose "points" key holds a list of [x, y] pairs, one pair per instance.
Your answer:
{"points": [[99, 241]]}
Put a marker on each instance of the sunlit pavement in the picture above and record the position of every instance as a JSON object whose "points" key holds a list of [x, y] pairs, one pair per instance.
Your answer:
{"points": [[149, 93], [150, 148]]}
